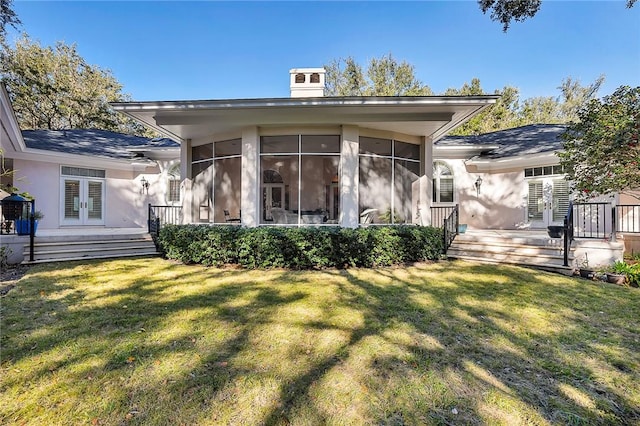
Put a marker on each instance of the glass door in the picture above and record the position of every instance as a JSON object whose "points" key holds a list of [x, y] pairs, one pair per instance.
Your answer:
{"points": [[272, 196], [82, 201], [548, 202]]}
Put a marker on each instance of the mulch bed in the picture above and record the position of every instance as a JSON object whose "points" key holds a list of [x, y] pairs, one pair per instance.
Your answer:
{"points": [[10, 276]]}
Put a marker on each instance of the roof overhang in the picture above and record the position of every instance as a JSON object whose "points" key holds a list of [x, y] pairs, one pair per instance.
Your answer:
{"points": [[531, 160], [461, 151], [31, 154], [430, 116], [10, 135]]}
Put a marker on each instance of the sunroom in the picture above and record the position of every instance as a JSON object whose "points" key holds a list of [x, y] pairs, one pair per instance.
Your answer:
{"points": [[307, 160]]}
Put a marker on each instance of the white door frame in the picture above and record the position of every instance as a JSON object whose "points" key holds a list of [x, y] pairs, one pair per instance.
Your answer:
{"points": [[547, 203], [83, 203], [268, 198]]}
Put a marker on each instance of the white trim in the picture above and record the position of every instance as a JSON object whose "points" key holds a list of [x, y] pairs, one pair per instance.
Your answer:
{"points": [[530, 160], [358, 101], [12, 121], [79, 160]]}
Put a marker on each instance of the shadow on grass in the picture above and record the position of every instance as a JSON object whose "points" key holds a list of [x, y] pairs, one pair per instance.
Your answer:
{"points": [[440, 344]]}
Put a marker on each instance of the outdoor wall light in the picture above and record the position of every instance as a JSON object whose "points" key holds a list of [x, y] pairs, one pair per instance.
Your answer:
{"points": [[478, 184], [145, 186]]}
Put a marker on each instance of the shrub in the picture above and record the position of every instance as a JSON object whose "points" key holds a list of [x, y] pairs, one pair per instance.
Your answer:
{"points": [[300, 248]]}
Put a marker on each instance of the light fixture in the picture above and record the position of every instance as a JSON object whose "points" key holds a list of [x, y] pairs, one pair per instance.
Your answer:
{"points": [[478, 184], [145, 186]]}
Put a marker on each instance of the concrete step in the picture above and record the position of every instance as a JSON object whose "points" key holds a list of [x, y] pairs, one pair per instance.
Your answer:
{"points": [[538, 251], [514, 256], [66, 259], [519, 240], [565, 270], [506, 247], [77, 247]]}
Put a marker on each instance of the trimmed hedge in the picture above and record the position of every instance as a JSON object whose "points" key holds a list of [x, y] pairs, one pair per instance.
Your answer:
{"points": [[300, 248]]}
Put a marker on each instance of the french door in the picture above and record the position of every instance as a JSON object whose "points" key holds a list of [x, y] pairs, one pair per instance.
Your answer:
{"points": [[82, 201], [548, 202], [272, 196]]}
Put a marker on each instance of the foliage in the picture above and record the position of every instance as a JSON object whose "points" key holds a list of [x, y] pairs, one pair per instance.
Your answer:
{"points": [[300, 248], [601, 151], [385, 76], [153, 342], [5, 251], [505, 11], [55, 88], [7, 18], [508, 112]]}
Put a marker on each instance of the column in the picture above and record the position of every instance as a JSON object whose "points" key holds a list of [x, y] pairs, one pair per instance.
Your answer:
{"points": [[250, 199], [349, 178], [185, 177], [426, 181]]}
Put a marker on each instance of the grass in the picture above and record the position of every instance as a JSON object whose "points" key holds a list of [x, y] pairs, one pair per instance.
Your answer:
{"points": [[148, 341]]}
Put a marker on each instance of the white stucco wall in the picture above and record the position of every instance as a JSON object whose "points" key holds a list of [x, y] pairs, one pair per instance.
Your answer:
{"points": [[125, 205], [501, 203]]}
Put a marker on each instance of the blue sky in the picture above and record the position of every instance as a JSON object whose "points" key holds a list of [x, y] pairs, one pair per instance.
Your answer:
{"points": [[217, 50]]}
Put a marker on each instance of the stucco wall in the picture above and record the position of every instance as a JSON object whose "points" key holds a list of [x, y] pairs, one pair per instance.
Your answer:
{"points": [[501, 203], [125, 205]]}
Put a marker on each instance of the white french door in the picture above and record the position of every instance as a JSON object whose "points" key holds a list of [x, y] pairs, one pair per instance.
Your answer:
{"points": [[272, 196], [82, 201], [548, 202]]}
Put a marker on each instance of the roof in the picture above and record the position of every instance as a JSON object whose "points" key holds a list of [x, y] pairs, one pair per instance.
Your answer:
{"points": [[431, 116], [525, 140], [93, 142]]}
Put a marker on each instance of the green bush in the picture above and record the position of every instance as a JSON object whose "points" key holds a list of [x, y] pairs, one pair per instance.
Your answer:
{"points": [[300, 248]]}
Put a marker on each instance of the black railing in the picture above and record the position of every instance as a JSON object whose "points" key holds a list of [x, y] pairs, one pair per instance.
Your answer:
{"points": [[450, 228], [163, 215], [627, 218], [568, 233], [439, 214], [593, 220]]}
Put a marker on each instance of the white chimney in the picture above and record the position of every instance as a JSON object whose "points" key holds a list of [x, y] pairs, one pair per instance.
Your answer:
{"points": [[306, 82]]}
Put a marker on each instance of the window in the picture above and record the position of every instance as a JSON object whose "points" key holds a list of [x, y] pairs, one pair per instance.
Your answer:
{"points": [[216, 171], [388, 173], [442, 183], [173, 184], [79, 171], [544, 171], [298, 179]]}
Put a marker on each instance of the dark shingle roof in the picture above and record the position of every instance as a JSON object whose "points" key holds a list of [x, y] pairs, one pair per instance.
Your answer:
{"points": [[94, 142], [531, 139]]}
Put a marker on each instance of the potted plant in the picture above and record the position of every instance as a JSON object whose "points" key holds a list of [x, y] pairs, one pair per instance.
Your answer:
{"points": [[23, 225], [617, 273], [555, 231], [585, 270]]}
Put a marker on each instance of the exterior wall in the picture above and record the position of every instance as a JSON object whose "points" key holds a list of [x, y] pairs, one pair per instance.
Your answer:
{"points": [[501, 203], [125, 204]]}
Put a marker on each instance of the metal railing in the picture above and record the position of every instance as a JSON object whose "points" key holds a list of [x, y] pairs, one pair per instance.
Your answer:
{"points": [[568, 233], [439, 214], [627, 218], [163, 215], [593, 220], [450, 228]]}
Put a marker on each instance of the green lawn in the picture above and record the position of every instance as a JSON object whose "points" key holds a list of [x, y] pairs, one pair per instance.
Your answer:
{"points": [[148, 341]]}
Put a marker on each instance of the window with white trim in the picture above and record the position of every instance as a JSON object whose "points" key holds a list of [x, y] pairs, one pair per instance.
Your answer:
{"points": [[173, 184], [442, 183]]}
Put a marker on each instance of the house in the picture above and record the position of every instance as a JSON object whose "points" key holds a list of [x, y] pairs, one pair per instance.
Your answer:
{"points": [[310, 159], [85, 180], [87, 177], [304, 160]]}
